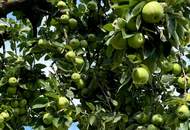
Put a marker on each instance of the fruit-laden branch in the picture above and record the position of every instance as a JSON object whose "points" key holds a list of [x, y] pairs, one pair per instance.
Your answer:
{"points": [[34, 10]]}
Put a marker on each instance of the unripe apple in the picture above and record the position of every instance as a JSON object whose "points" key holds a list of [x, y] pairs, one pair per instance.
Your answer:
{"points": [[74, 43], [11, 90], [5, 115], [141, 118], [14, 104], [92, 5], [79, 60], [84, 43], [136, 41], [152, 12], [140, 128], [152, 127], [47, 118], [16, 111], [23, 103], [182, 81], [73, 23], [176, 69], [140, 75], [131, 25], [64, 19], [42, 43], [80, 83], [166, 66], [61, 5], [183, 112], [75, 77], [157, 120], [12, 81], [62, 102], [91, 37], [70, 55]]}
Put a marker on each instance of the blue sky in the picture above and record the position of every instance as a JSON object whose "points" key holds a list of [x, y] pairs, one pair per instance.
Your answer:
{"points": [[73, 127]]}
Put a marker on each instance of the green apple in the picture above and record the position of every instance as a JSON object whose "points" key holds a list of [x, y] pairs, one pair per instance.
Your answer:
{"points": [[79, 60], [183, 112], [166, 66], [23, 103], [47, 118], [152, 127], [12, 81], [80, 83], [140, 75], [16, 111], [62, 102], [141, 118], [152, 12], [14, 104], [136, 41], [157, 120], [5, 115], [61, 5], [92, 5], [41, 42], [84, 43], [75, 77], [64, 18], [140, 128], [176, 69], [70, 55], [131, 25], [11, 90], [73, 23], [74, 43], [181, 82], [91, 37]]}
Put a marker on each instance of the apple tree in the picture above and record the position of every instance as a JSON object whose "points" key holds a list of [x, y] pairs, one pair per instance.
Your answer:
{"points": [[127, 61]]}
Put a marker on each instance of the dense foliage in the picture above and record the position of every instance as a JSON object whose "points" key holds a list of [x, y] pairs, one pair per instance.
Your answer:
{"points": [[126, 60]]}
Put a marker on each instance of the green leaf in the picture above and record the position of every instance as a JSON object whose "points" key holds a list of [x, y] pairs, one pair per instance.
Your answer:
{"points": [[40, 100], [171, 24], [125, 35], [137, 9], [69, 94], [92, 119], [109, 51], [108, 27], [91, 106], [78, 110], [37, 106], [56, 122], [39, 66], [117, 118]]}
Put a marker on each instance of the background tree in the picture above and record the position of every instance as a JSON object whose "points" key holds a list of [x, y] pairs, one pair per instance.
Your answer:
{"points": [[126, 60]]}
